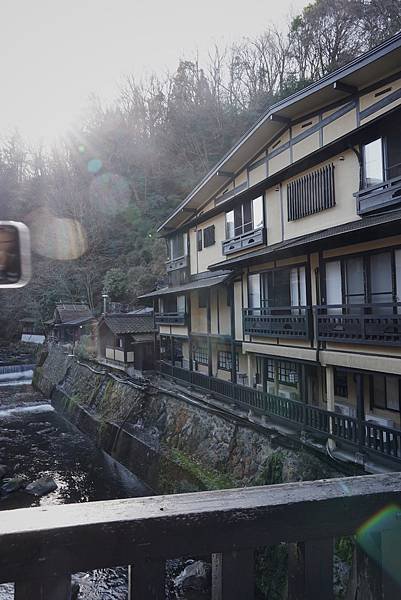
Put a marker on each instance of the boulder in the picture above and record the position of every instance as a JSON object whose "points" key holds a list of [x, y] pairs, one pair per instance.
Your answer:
{"points": [[4, 470], [42, 486], [11, 484], [194, 582], [74, 590]]}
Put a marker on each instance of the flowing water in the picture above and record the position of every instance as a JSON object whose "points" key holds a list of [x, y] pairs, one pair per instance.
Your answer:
{"points": [[34, 441]]}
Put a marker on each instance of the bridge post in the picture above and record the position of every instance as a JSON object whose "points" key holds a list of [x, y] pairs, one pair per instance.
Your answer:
{"points": [[53, 588], [233, 575], [146, 580]]}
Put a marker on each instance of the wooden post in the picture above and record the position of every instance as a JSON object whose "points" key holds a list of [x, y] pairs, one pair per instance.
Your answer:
{"points": [[360, 412], [310, 570], [233, 575], [209, 330], [146, 580], [53, 588], [330, 399]]}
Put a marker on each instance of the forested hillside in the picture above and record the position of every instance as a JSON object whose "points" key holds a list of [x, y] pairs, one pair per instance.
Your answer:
{"points": [[93, 203]]}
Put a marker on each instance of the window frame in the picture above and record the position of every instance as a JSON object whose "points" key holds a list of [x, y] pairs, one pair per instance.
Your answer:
{"points": [[373, 404], [241, 206], [226, 363], [203, 298], [209, 236], [200, 355]]}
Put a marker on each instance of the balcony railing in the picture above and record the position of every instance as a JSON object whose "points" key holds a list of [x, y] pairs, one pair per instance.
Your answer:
{"points": [[376, 324], [173, 318], [379, 196], [177, 263], [279, 322], [375, 438], [42, 547], [246, 240]]}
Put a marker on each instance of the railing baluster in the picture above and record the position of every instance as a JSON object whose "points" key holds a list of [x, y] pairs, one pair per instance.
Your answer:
{"points": [[53, 588], [310, 570], [233, 576], [146, 580]]}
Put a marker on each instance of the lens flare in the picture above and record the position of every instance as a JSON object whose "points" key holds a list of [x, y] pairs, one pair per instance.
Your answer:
{"points": [[81, 148], [94, 165], [380, 538], [55, 237], [109, 193]]}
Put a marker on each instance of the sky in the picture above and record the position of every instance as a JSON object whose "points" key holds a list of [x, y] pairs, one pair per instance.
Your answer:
{"points": [[54, 55]]}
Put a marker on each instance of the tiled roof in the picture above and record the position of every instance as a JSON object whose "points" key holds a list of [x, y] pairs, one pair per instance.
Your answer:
{"points": [[123, 323], [72, 313]]}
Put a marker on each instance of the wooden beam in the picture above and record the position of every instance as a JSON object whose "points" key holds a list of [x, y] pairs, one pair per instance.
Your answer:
{"points": [[344, 87], [279, 118], [221, 173], [78, 537]]}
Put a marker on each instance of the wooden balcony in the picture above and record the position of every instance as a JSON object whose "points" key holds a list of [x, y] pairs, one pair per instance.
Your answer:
{"points": [[278, 322], [173, 318], [353, 433], [374, 324], [41, 547], [177, 263], [377, 197], [246, 240]]}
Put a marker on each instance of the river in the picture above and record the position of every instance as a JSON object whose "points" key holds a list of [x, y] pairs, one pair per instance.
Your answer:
{"points": [[34, 441]]}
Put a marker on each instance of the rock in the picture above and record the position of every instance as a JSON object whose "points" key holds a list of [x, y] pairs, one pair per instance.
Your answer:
{"points": [[42, 486], [4, 470], [74, 590], [194, 582], [12, 485]]}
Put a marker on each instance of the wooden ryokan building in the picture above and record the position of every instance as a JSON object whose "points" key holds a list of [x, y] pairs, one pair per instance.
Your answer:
{"points": [[284, 262]]}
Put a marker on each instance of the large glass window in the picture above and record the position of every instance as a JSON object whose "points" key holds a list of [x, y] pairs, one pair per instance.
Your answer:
{"points": [[278, 288], [360, 279], [385, 392], [373, 162], [244, 218], [176, 246]]}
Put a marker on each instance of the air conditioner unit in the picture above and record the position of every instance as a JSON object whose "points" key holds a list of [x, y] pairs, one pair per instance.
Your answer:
{"points": [[379, 421]]}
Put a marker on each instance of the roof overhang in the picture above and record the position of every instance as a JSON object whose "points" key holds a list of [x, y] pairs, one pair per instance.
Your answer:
{"points": [[356, 75], [198, 284]]}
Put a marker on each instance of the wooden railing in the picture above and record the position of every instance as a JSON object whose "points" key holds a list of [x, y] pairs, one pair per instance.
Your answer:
{"points": [[173, 318], [279, 322], [376, 324], [382, 195], [372, 437], [41, 547]]}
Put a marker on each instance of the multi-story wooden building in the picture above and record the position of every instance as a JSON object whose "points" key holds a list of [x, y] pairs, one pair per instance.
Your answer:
{"points": [[284, 262]]}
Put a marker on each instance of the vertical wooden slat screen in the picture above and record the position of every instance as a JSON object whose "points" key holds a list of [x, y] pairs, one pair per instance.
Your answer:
{"points": [[311, 193]]}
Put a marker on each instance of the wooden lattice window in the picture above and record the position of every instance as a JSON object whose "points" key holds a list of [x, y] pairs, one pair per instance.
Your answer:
{"points": [[311, 193]]}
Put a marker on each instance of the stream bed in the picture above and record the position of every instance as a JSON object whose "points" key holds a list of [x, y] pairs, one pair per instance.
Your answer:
{"points": [[36, 441]]}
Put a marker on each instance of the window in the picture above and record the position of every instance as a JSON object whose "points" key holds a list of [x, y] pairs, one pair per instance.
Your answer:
{"points": [[340, 383], [181, 304], [311, 193], [209, 236], [176, 246], [203, 297], [200, 355], [270, 375], [385, 392], [245, 218], [165, 348], [199, 240], [373, 162], [278, 288], [287, 372], [359, 279], [224, 360]]}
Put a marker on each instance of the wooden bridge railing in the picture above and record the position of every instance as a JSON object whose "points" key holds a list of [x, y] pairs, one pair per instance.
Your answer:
{"points": [[41, 547]]}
